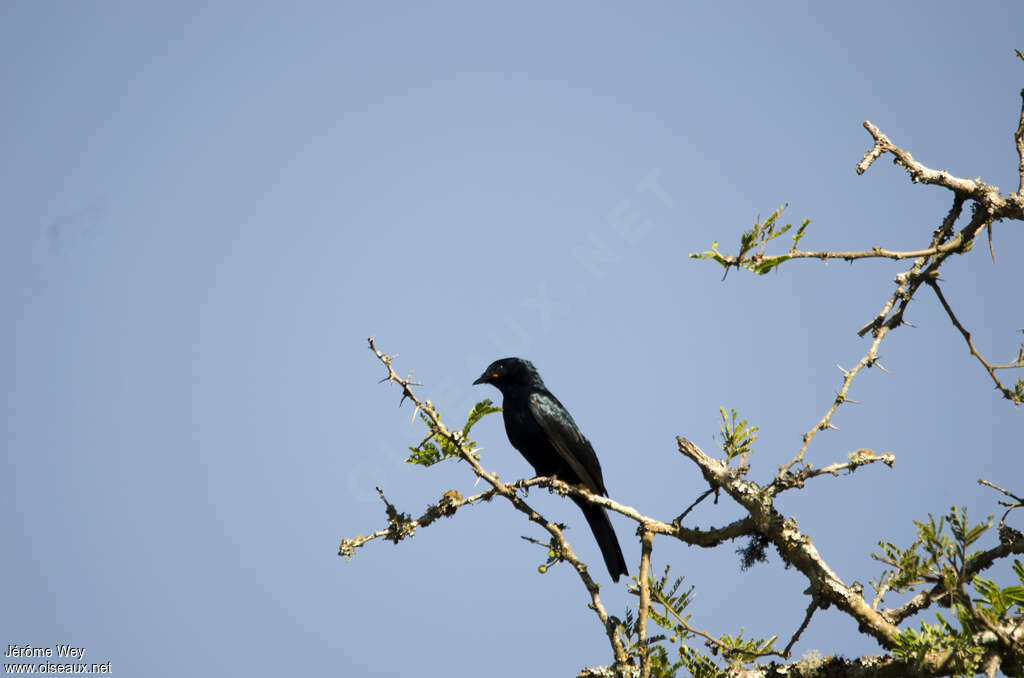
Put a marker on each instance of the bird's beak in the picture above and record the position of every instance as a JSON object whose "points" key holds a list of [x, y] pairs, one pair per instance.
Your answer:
{"points": [[481, 380]]}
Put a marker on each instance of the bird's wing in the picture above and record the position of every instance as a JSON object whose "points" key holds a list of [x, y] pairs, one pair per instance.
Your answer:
{"points": [[571, 445]]}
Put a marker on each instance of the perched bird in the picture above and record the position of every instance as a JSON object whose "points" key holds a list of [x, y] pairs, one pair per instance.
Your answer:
{"points": [[543, 431]]}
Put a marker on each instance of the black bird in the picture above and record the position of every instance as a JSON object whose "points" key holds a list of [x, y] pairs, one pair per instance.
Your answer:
{"points": [[545, 434]]}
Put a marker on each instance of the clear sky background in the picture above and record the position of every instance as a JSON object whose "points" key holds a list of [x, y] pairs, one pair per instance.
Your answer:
{"points": [[208, 208]]}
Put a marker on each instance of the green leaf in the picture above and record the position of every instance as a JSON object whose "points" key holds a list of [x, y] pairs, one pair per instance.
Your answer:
{"points": [[766, 265], [479, 411], [737, 436], [437, 447], [753, 242]]}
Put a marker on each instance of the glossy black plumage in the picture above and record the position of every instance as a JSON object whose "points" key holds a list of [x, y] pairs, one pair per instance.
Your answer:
{"points": [[545, 434]]}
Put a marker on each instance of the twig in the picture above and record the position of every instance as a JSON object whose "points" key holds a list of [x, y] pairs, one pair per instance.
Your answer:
{"points": [[705, 538], [1017, 503], [450, 502], [857, 459], [711, 640], [982, 481], [875, 252], [825, 422], [991, 369], [803, 626], [945, 230], [679, 518], [1019, 138]]}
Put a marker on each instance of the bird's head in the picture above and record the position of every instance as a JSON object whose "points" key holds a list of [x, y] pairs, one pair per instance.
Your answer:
{"points": [[510, 372]]}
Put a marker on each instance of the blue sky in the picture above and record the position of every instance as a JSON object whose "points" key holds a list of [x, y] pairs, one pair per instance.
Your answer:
{"points": [[208, 208]]}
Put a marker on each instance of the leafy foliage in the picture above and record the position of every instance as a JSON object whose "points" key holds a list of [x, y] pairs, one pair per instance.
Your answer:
{"points": [[935, 556], [757, 237], [667, 610], [941, 556], [435, 447], [912, 646], [740, 650], [662, 665], [737, 436], [672, 604]]}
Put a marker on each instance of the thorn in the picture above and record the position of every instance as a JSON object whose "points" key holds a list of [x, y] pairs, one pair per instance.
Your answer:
{"points": [[882, 367], [834, 427], [846, 373]]}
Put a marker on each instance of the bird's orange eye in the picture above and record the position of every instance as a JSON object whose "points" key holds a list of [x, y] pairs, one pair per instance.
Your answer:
{"points": [[495, 375]]}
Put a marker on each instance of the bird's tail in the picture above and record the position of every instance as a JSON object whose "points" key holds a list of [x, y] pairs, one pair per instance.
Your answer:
{"points": [[604, 533]]}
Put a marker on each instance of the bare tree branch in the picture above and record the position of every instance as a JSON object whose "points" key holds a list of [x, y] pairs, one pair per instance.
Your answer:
{"points": [[999, 207], [869, 359], [991, 369], [811, 608], [861, 457]]}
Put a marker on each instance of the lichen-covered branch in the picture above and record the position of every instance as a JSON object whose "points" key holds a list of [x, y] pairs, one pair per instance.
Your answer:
{"points": [[794, 546], [997, 206], [401, 525], [646, 546], [858, 458]]}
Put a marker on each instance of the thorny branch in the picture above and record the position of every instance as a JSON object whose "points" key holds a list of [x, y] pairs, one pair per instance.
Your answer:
{"points": [[875, 252], [1017, 501], [795, 547], [989, 206], [401, 525], [509, 493], [989, 367]]}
